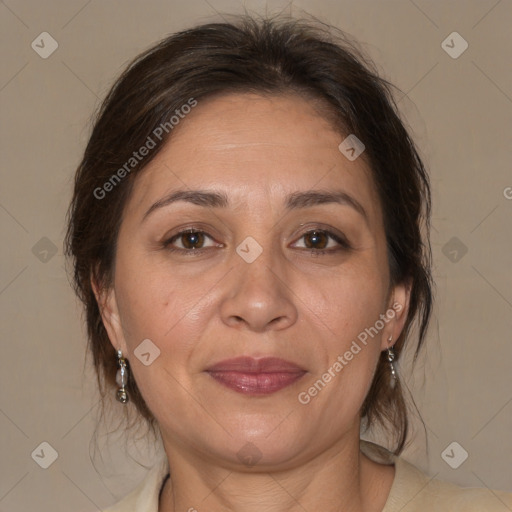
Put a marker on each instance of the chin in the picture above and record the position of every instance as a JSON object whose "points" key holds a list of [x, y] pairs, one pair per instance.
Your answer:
{"points": [[261, 442]]}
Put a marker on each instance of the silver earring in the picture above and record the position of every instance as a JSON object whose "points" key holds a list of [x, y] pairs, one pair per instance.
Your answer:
{"points": [[121, 378], [392, 364]]}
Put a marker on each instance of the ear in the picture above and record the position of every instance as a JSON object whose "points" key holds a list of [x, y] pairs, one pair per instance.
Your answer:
{"points": [[398, 302], [107, 304]]}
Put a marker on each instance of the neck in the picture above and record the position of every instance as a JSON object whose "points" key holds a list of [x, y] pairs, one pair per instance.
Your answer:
{"points": [[341, 479]]}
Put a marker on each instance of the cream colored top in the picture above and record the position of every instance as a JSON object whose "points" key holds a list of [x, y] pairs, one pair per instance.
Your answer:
{"points": [[412, 490]]}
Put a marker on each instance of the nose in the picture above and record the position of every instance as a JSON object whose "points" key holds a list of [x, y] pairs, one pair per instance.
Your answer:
{"points": [[258, 296]]}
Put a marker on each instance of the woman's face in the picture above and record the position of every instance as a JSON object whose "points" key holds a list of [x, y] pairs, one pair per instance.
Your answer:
{"points": [[251, 279]]}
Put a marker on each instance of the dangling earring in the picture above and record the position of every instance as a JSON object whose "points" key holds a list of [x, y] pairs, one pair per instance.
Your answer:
{"points": [[392, 364], [121, 378]]}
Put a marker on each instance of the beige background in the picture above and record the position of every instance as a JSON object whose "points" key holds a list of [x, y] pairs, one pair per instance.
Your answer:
{"points": [[460, 113]]}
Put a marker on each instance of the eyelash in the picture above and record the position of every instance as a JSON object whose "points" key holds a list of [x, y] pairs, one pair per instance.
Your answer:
{"points": [[344, 245]]}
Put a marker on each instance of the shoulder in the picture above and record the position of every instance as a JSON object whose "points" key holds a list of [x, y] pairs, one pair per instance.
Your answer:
{"points": [[144, 498], [414, 491], [417, 492]]}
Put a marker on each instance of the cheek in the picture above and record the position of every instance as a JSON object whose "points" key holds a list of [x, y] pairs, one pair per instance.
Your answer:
{"points": [[151, 301], [166, 307], [346, 303], [346, 309], [156, 307], [171, 310]]}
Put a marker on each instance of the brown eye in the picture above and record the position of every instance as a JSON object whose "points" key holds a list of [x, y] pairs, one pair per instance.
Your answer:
{"points": [[192, 239], [188, 241], [317, 240]]}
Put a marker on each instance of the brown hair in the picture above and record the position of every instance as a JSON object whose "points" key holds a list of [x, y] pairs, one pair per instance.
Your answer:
{"points": [[269, 56]]}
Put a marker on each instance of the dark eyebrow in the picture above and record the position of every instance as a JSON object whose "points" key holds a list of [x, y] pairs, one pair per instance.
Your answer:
{"points": [[294, 201], [316, 197], [199, 197]]}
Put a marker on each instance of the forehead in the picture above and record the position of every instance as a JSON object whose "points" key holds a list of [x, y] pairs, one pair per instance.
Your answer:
{"points": [[255, 146]]}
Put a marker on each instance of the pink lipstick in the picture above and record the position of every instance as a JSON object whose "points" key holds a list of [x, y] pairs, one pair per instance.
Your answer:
{"points": [[252, 376]]}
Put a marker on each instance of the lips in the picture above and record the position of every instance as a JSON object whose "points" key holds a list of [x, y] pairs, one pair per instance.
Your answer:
{"points": [[252, 376], [253, 365]]}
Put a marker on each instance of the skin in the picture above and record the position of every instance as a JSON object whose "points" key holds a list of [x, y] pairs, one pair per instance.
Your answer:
{"points": [[288, 303]]}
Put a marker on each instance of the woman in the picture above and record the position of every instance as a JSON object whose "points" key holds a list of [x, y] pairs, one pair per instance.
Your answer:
{"points": [[246, 231]]}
